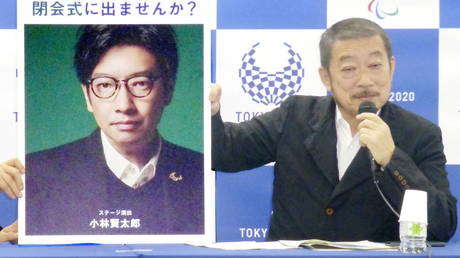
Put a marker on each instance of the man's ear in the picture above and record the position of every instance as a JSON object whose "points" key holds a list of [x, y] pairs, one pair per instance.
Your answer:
{"points": [[89, 106], [168, 94], [325, 78], [392, 66]]}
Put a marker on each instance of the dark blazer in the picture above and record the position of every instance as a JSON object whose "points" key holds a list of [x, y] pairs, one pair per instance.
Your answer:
{"points": [[71, 190], [309, 201]]}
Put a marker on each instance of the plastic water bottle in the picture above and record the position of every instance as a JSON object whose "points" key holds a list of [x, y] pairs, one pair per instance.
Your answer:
{"points": [[412, 236], [413, 222]]}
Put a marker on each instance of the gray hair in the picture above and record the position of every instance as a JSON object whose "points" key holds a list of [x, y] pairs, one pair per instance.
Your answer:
{"points": [[352, 28]]}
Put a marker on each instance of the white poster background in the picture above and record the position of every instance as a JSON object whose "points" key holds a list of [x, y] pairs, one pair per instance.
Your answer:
{"points": [[201, 12], [8, 94], [449, 92], [271, 56]]}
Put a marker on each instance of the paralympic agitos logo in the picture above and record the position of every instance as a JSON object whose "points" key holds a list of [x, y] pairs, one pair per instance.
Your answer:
{"points": [[383, 8]]}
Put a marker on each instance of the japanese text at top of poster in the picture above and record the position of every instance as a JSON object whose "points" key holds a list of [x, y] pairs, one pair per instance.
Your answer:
{"points": [[112, 122]]}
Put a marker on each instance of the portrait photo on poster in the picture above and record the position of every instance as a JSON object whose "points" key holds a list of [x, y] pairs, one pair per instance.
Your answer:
{"points": [[114, 130]]}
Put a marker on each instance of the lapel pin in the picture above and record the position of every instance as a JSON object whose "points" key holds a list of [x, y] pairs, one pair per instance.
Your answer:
{"points": [[174, 177]]}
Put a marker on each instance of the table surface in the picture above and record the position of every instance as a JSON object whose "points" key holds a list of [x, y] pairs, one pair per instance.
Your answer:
{"points": [[181, 250]]}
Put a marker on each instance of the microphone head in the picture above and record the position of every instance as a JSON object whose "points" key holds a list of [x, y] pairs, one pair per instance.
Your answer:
{"points": [[367, 107]]}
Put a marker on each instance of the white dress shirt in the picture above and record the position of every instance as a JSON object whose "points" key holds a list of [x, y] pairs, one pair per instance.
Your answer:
{"points": [[126, 171], [347, 145]]}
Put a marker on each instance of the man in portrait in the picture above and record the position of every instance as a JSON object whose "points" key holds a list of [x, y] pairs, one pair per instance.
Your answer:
{"points": [[123, 178]]}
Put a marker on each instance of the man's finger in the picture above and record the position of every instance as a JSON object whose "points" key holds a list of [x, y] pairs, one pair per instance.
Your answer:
{"points": [[15, 174], [15, 179], [215, 93], [8, 236], [11, 228], [214, 97], [8, 183], [17, 164]]}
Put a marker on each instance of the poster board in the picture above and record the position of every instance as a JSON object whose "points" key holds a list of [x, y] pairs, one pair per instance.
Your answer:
{"points": [[52, 112]]}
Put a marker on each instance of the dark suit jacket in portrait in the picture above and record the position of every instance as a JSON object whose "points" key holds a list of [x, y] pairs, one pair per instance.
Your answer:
{"points": [[70, 190], [309, 201]]}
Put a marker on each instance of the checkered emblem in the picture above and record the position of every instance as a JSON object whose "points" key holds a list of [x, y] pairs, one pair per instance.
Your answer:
{"points": [[265, 87]]}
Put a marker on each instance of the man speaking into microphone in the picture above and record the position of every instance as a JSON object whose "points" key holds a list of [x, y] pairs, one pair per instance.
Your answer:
{"points": [[323, 185]]}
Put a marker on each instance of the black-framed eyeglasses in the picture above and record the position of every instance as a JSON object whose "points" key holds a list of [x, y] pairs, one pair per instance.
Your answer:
{"points": [[139, 86]]}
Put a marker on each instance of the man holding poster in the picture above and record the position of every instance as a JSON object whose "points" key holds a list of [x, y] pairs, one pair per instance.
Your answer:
{"points": [[123, 178]]}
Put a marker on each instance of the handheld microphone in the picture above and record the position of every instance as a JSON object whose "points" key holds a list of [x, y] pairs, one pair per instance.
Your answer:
{"points": [[368, 107]]}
